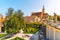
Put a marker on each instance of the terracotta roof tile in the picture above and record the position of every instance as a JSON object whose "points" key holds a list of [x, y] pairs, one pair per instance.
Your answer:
{"points": [[36, 13]]}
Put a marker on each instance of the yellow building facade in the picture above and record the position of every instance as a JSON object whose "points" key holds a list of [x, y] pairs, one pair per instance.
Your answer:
{"points": [[1, 22]]}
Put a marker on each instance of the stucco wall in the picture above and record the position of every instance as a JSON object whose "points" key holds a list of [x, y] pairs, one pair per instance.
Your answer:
{"points": [[57, 35], [52, 33]]}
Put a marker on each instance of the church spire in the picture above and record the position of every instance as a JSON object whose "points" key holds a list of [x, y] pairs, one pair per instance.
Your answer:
{"points": [[43, 9]]}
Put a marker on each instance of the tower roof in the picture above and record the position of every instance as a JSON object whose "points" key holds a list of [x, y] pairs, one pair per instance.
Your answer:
{"points": [[43, 8]]}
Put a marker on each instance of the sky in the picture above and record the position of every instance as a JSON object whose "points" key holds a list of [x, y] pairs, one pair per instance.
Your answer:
{"points": [[29, 6]]}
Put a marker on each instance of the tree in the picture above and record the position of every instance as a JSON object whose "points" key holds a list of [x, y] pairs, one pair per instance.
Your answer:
{"points": [[10, 11], [15, 21], [58, 18], [50, 17]]}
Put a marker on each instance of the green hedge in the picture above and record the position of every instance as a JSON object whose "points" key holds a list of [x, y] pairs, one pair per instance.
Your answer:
{"points": [[17, 38], [2, 35], [31, 28]]}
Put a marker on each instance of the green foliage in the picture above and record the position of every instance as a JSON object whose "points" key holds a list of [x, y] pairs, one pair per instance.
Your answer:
{"points": [[14, 22], [31, 28], [36, 23], [2, 35], [50, 18], [17, 38], [10, 11], [58, 18]]}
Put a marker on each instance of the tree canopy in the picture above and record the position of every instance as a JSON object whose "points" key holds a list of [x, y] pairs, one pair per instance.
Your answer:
{"points": [[14, 21], [58, 17]]}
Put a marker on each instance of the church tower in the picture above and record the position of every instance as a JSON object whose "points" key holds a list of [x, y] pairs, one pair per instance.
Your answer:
{"points": [[43, 11]]}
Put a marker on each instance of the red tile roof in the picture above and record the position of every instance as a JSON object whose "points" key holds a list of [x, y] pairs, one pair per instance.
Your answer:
{"points": [[36, 13]]}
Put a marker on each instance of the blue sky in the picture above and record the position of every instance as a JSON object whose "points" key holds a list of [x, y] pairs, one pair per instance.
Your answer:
{"points": [[29, 6]]}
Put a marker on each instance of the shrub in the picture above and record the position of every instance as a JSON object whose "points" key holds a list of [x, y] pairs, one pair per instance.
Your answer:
{"points": [[2, 35], [17, 38]]}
